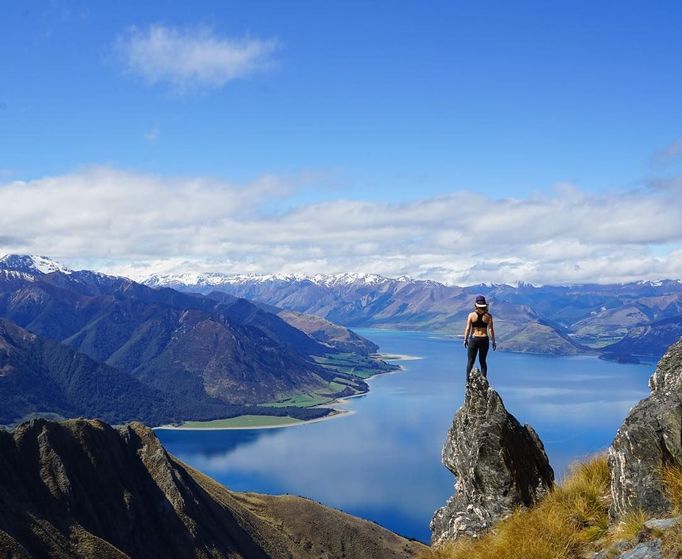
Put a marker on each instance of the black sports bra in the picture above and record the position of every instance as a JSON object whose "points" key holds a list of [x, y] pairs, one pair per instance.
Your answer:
{"points": [[480, 323]]}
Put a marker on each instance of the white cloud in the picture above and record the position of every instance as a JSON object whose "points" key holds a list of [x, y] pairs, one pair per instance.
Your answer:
{"points": [[127, 222], [191, 58]]}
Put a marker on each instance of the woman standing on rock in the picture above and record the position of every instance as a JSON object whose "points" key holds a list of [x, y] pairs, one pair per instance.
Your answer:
{"points": [[479, 324]]}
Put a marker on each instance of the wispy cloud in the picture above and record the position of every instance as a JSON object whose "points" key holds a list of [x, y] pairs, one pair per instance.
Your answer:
{"points": [[133, 221], [669, 154], [152, 135], [191, 58]]}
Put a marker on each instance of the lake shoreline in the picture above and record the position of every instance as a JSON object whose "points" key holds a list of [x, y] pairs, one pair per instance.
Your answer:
{"points": [[335, 414]]}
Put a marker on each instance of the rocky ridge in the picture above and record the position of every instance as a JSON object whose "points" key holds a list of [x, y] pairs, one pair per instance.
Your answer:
{"points": [[499, 464], [81, 489]]}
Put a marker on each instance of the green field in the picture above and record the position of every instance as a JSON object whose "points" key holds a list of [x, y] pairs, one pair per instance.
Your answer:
{"points": [[300, 400], [242, 421], [352, 364], [350, 367]]}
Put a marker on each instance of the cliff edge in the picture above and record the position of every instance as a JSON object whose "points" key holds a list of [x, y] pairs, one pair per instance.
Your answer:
{"points": [[499, 464]]}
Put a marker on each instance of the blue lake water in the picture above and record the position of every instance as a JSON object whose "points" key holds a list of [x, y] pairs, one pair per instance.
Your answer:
{"points": [[382, 462]]}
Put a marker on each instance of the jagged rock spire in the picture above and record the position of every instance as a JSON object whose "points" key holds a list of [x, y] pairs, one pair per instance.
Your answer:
{"points": [[499, 464]]}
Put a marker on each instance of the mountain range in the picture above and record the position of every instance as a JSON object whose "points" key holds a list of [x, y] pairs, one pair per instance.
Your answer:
{"points": [[96, 339], [616, 321]]}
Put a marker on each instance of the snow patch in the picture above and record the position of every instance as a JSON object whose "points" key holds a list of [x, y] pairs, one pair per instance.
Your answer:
{"points": [[32, 263]]}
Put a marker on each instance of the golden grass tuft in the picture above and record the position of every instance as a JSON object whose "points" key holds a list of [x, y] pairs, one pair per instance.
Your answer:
{"points": [[630, 526], [671, 475], [672, 542], [564, 525]]}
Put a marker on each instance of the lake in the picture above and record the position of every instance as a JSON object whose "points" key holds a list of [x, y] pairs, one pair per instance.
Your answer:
{"points": [[382, 462]]}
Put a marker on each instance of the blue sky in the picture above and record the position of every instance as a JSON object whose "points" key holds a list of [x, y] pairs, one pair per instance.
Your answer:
{"points": [[384, 103]]}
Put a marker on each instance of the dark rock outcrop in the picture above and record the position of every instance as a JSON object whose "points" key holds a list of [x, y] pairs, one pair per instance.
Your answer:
{"points": [[499, 464], [82, 489], [649, 439]]}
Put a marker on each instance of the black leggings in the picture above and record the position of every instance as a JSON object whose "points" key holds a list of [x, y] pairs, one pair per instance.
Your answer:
{"points": [[478, 345]]}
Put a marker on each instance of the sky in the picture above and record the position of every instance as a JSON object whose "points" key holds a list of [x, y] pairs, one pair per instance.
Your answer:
{"points": [[457, 141]]}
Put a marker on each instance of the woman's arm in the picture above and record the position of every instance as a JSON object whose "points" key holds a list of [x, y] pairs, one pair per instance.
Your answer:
{"points": [[467, 331], [491, 329]]}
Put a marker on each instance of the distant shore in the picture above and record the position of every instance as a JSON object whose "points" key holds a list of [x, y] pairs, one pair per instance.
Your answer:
{"points": [[241, 422], [287, 422], [398, 357]]}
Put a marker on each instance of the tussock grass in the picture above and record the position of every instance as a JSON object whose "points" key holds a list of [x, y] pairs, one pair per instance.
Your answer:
{"points": [[564, 525], [672, 542], [630, 526], [671, 475]]}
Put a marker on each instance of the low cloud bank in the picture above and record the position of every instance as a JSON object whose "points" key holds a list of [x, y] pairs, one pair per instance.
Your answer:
{"points": [[132, 223]]}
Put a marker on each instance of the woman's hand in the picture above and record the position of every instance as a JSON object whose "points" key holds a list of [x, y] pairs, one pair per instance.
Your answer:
{"points": [[466, 342], [494, 345]]}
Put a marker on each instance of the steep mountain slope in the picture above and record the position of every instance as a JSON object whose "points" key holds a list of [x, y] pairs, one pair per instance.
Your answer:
{"points": [[80, 489], [545, 319], [40, 376], [187, 344], [328, 333], [649, 339]]}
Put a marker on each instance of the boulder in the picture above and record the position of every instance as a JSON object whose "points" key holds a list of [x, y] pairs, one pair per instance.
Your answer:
{"points": [[649, 438], [662, 524], [499, 464], [645, 550]]}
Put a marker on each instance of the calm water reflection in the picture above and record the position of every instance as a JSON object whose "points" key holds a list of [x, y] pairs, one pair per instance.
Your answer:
{"points": [[383, 461]]}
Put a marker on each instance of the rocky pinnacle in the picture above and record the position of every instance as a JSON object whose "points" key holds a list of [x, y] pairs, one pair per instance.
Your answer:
{"points": [[499, 465]]}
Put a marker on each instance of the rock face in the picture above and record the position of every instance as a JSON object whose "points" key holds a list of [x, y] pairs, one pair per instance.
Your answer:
{"points": [[650, 437], [82, 489], [499, 464]]}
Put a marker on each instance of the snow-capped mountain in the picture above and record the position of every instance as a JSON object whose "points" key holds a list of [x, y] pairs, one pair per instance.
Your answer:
{"points": [[31, 267], [217, 279], [32, 264]]}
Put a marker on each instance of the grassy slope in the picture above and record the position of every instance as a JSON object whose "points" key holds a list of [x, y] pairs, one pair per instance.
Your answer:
{"points": [[570, 523], [352, 364]]}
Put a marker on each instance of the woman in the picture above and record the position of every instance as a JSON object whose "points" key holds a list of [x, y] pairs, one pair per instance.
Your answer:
{"points": [[479, 324]]}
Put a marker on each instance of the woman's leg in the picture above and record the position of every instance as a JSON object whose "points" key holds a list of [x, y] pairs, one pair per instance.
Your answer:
{"points": [[471, 354], [483, 347]]}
